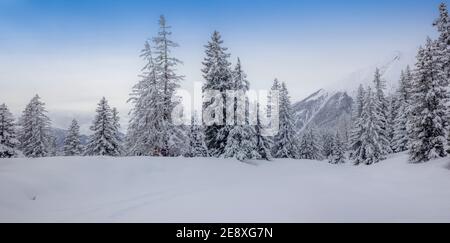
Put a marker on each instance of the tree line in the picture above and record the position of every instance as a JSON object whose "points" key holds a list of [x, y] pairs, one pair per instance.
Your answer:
{"points": [[414, 118]]}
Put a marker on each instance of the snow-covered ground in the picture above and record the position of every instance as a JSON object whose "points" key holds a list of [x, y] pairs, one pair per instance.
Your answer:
{"points": [[214, 190]]}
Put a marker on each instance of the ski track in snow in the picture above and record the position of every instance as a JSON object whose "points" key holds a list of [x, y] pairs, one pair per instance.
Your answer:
{"points": [[102, 189]]}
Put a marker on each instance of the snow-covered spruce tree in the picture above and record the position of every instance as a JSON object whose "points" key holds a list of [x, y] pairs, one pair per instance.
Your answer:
{"points": [[286, 141], [146, 126], [442, 52], [196, 139], [242, 140], [392, 114], [371, 149], [168, 79], [72, 143], [276, 87], [54, 150], [117, 135], [273, 100], [357, 129], [103, 141], [241, 144], [309, 146], [8, 137], [243, 85], [338, 150], [35, 137], [263, 142], [428, 124], [219, 77], [327, 144], [400, 139], [383, 110]]}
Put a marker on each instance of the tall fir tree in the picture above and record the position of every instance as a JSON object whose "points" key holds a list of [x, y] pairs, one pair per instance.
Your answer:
{"points": [[338, 150], [219, 77], [8, 136], [400, 140], [166, 73], [371, 148], [272, 99], [54, 150], [393, 101], [327, 144], [242, 141], [103, 141], [72, 142], [428, 124], [442, 50], [286, 141], [117, 134], [383, 112], [355, 142], [310, 148], [35, 132], [263, 142], [146, 125]]}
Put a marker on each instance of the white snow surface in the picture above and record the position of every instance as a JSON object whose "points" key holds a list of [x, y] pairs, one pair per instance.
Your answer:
{"points": [[101, 189]]}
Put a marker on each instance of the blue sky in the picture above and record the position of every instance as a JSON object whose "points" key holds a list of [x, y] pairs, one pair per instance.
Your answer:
{"points": [[73, 52]]}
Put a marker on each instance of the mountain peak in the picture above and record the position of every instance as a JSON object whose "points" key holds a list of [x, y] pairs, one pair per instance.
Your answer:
{"points": [[390, 68]]}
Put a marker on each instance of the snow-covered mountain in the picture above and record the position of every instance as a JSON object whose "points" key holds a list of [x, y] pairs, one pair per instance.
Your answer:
{"points": [[330, 108], [324, 109]]}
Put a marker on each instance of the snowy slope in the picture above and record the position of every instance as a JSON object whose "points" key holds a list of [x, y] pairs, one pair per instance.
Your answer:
{"points": [[213, 190], [326, 110], [330, 107]]}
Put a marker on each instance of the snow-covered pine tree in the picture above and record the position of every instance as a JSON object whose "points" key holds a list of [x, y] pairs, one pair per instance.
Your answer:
{"points": [[243, 85], [286, 141], [103, 141], [393, 102], [242, 140], [371, 149], [219, 77], [117, 135], [276, 87], [400, 140], [383, 110], [273, 99], [428, 125], [8, 137], [144, 135], [72, 143], [338, 150], [35, 130], [310, 148], [196, 139], [53, 147], [442, 50], [263, 142], [357, 129], [327, 144], [241, 144], [166, 67]]}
